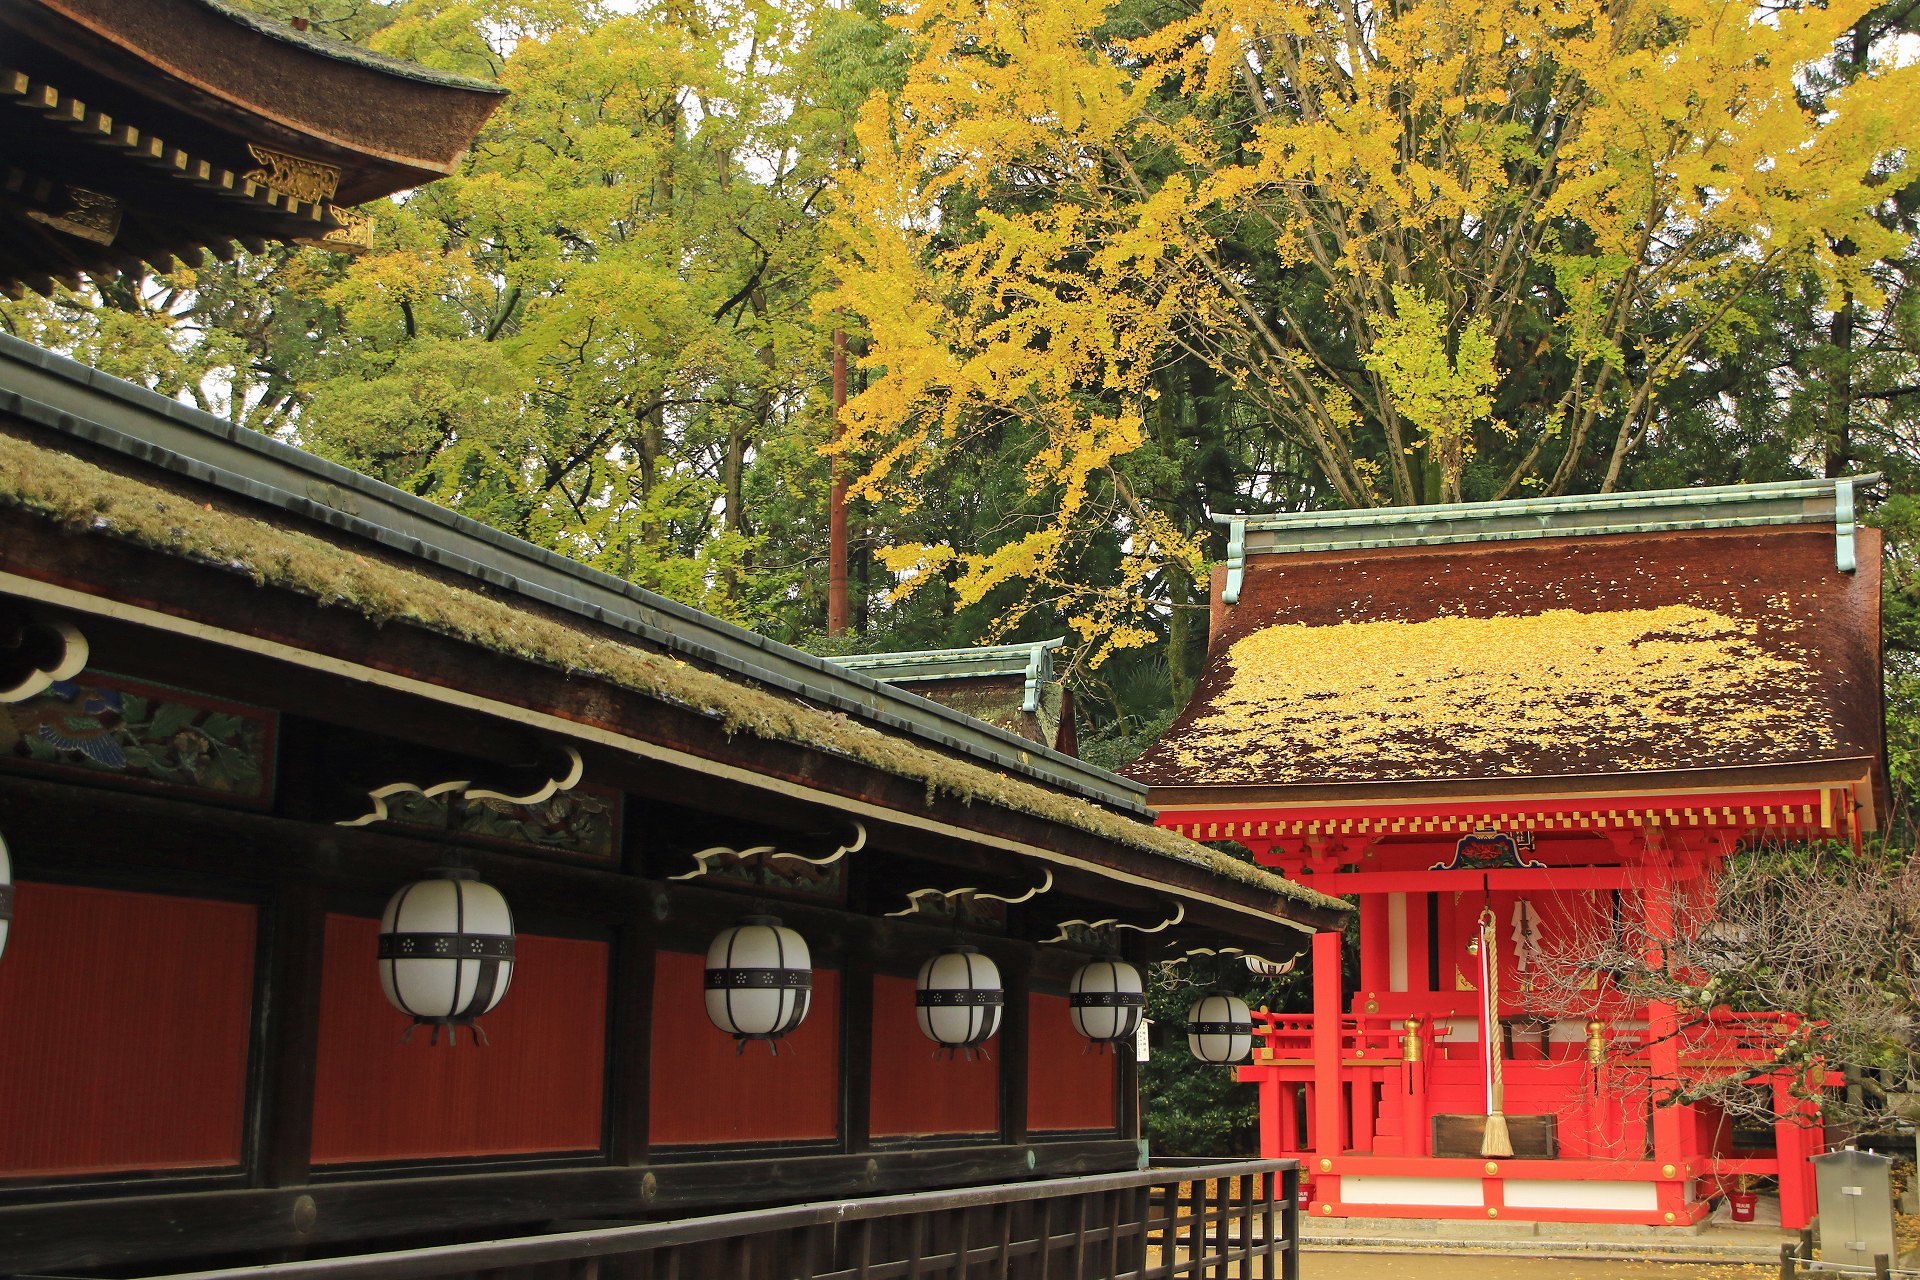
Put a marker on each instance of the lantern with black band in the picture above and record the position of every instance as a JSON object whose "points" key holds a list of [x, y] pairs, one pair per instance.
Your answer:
{"points": [[958, 998], [446, 951], [1220, 1028], [759, 981], [1106, 1000]]}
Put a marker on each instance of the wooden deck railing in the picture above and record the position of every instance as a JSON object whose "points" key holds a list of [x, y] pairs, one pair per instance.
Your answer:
{"points": [[1225, 1219]]}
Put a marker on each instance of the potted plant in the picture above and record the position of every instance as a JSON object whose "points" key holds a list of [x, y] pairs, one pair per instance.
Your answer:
{"points": [[1740, 1200]]}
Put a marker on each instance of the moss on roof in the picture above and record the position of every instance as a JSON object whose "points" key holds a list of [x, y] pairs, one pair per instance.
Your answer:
{"points": [[85, 497], [345, 50]]}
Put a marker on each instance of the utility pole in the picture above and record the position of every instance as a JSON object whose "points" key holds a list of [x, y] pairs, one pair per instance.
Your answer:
{"points": [[837, 503]]}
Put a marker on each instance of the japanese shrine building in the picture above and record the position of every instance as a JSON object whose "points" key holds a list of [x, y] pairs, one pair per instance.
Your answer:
{"points": [[1554, 711]]}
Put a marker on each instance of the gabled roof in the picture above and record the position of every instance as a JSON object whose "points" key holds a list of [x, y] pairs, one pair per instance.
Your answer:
{"points": [[1568, 645], [1031, 660], [1009, 685]]}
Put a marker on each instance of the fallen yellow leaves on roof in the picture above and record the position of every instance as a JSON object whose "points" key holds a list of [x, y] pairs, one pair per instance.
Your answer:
{"points": [[1653, 685]]}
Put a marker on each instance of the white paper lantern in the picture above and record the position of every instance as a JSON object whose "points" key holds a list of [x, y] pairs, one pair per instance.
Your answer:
{"points": [[1220, 1028], [759, 981], [446, 950], [1107, 1000], [6, 895], [957, 999]]}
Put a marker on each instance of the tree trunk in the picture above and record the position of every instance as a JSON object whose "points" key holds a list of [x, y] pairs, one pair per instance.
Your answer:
{"points": [[1840, 424]]}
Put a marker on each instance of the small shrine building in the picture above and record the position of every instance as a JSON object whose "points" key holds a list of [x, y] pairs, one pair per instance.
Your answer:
{"points": [[1565, 714], [1012, 686]]}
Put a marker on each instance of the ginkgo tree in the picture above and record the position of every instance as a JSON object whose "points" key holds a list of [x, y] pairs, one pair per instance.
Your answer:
{"points": [[1447, 248]]}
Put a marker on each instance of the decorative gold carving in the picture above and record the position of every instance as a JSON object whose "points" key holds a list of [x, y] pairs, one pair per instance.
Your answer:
{"points": [[352, 234], [1666, 1171], [294, 176], [1596, 1042], [1493, 1168], [89, 215], [1410, 1042], [1492, 1212], [1326, 1166]]}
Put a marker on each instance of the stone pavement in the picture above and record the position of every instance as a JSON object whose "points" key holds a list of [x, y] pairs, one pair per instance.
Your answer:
{"points": [[1346, 1264], [1717, 1240]]}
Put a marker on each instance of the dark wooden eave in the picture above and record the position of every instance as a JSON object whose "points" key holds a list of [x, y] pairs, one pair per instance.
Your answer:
{"points": [[143, 131]]}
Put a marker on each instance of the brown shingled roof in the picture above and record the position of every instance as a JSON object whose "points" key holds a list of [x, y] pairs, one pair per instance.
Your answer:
{"points": [[1589, 657]]}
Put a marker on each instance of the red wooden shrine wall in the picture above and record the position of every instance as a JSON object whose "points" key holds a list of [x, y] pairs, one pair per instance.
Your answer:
{"points": [[535, 1087], [918, 1089], [1070, 1083], [705, 1089], [125, 1021]]}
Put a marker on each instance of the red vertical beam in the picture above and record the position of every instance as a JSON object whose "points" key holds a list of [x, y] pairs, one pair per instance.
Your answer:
{"points": [[1373, 944], [1363, 1111], [1327, 1124], [837, 612], [1287, 1102], [1796, 1141], [1414, 1129], [1272, 1117], [1670, 1123]]}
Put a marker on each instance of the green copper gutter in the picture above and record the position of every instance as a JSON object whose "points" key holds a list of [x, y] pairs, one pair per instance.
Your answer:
{"points": [[1657, 511]]}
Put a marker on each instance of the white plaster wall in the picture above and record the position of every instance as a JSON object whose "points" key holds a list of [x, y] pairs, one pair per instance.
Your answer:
{"points": [[1372, 1188], [1548, 1193]]}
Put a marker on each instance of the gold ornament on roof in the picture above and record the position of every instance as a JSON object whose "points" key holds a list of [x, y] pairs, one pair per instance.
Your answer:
{"points": [[90, 215], [352, 232], [294, 176]]}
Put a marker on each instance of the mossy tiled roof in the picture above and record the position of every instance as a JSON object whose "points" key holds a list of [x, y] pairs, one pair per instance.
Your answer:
{"points": [[95, 501]]}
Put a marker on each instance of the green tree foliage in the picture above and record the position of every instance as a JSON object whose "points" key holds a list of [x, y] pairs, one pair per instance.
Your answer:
{"points": [[591, 333]]}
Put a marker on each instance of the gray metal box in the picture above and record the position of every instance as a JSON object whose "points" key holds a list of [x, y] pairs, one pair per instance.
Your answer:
{"points": [[1856, 1207]]}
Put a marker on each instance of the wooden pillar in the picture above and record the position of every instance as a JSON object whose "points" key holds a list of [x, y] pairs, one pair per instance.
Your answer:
{"points": [[1374, 963], [1328, 1124], [1287, 1101], [1361, 1110], [1016, 979], [856, 1045], [1415, 1134], [1671, 1124], [631, 1097], [289, 1010], [1797, 1138], [1272, 1118]]}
